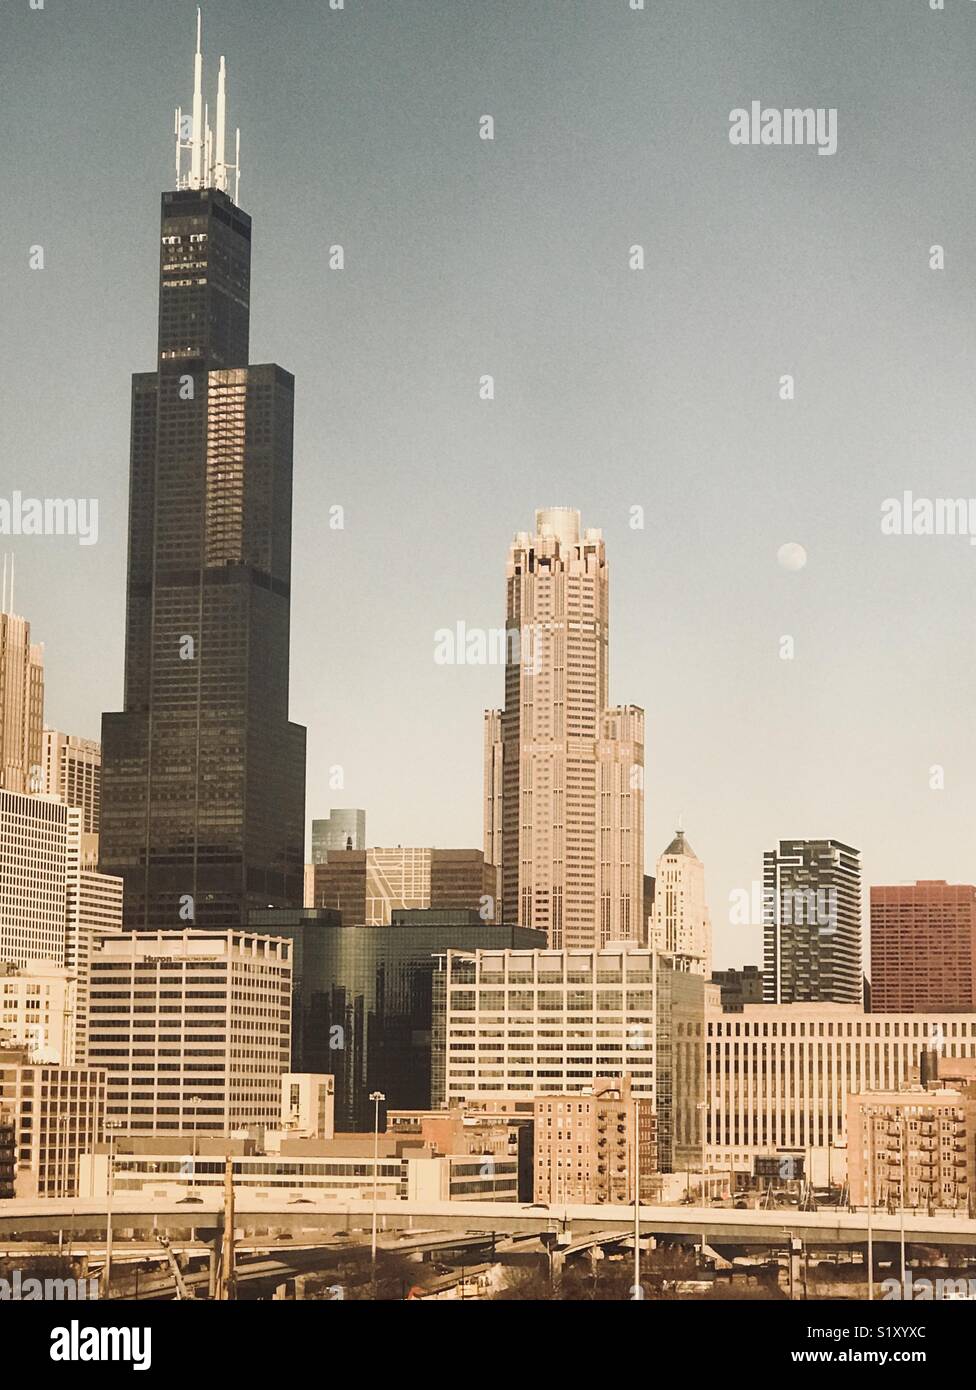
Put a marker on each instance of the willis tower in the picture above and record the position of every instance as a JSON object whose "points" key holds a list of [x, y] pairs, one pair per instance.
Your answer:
{"points": [[203, 776]]}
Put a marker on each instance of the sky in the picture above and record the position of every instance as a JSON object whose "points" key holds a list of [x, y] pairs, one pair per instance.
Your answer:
{"points": [[614, 388]]}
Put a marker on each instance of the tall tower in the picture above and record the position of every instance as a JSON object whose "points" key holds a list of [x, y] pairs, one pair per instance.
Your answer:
{"points": [[682, 926], [564, 773], [203, 776], [21, 699], [812, 923]]}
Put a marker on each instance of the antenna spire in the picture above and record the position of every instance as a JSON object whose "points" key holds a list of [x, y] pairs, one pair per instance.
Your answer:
{"points": [[220, 170], [209, 166], [196, 162]]}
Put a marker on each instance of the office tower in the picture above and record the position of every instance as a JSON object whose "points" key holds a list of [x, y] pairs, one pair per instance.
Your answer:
{"points": [[533, 1021], [564, 773], [739, 987], [53, 905], [341, 829], [370, 1000], [369, 886], [37, 1010], [682, 926], [203, 775], [313, 1049], [57, 1114], [21, 702], [812, 923], [778, 1075], [193, 1028], [682, 999], [923, 947], [73, 773], [94, 912], [36, 839]]}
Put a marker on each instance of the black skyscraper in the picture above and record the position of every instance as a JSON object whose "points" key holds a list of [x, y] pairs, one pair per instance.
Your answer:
{"points": [[203, 776]]}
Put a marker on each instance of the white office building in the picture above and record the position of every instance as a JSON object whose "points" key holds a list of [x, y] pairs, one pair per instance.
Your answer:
{"points": [[193, 1028]]}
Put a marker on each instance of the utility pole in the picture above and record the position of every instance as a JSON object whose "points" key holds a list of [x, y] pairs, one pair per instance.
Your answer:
{"points": [[111, 1126], [375, 1097], [904, 1166], [869, 1118], [638, 1292], [227, 1288]]}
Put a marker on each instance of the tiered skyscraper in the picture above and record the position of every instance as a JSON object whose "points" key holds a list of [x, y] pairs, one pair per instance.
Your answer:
{"points": [[681, 923], [21, 700], [203, 776], [564, 772]]}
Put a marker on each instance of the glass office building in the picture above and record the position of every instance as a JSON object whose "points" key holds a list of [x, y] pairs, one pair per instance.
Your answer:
{"points": [[366, 998]]}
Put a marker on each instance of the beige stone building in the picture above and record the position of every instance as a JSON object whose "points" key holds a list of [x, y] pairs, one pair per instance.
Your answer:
{"points": [[681, 924], [564, 771], [21, 705], [72, 772], [57, 1114]]}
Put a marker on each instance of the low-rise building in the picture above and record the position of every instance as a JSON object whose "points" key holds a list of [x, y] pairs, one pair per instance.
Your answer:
{"points": [[342, 1167], [56, 1114], [586, 1146], [915, 1146]]}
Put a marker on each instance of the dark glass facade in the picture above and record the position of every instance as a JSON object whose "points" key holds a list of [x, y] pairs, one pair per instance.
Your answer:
{"points": [[367, 1000], [203, 775]]}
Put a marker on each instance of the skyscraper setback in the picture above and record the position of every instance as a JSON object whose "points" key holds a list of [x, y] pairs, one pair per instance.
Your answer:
{"points": [[564, 772], [203, 776]]}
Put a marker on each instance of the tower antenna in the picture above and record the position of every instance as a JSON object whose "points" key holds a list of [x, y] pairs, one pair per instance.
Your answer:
{"points": [[197, 156], [221, 165]]}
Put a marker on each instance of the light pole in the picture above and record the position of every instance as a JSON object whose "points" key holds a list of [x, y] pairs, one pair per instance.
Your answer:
{"points": [[637, 1282], [701, 1107], [111, 1126], [375, 1097], [195, 1106], [904, 1164]]}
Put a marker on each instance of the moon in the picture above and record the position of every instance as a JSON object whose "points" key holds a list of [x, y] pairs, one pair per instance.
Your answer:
{"points": [[792, 556]]}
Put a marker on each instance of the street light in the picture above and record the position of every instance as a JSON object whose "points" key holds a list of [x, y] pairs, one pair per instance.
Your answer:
{"points": [[111, 1126], [194, 1103], [375, 1097], [637, 1283], [701, 1107]]}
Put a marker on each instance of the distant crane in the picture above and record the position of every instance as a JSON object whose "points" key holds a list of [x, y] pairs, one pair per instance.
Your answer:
{"points": [[182, 1292]]}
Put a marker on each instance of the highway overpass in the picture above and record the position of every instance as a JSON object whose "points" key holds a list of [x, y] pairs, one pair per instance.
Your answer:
{"points": [[81, 1217]]}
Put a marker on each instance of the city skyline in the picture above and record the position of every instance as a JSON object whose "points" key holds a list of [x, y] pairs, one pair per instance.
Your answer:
{"points": [[729, 704]]}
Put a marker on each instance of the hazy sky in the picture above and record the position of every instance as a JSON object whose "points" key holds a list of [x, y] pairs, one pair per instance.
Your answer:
{"points": [[614, 388]]}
